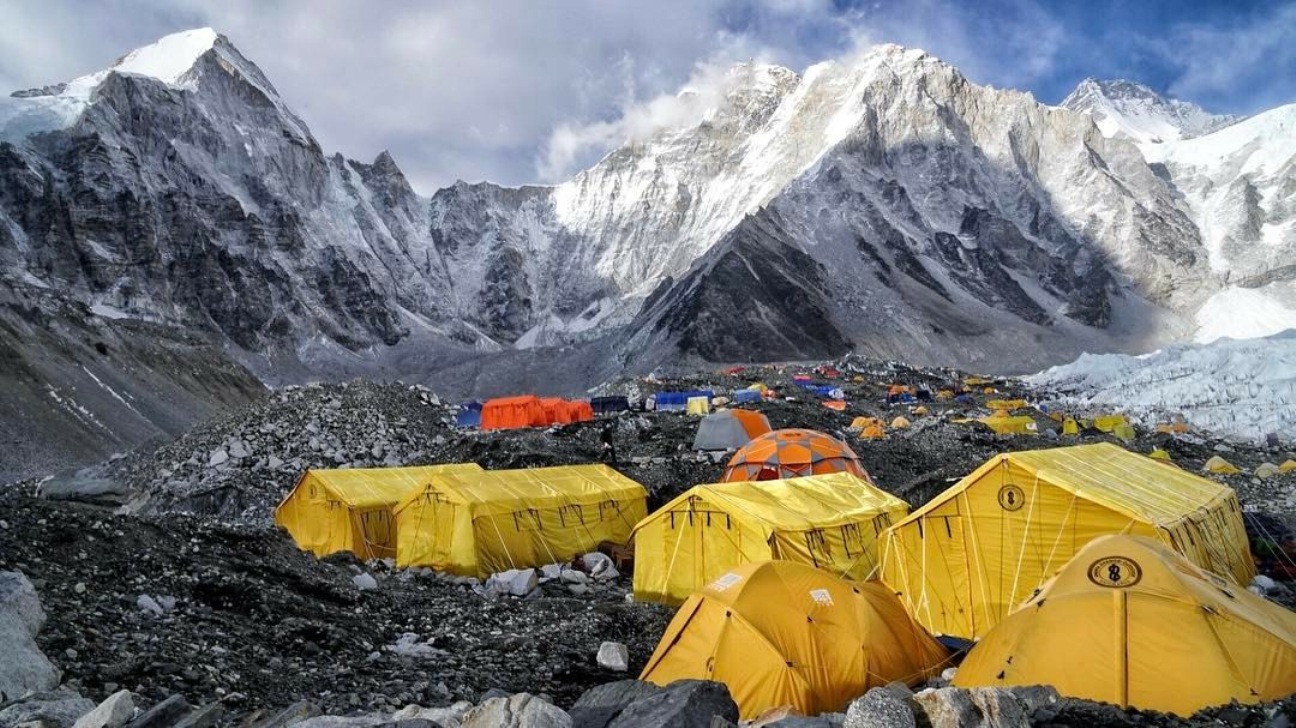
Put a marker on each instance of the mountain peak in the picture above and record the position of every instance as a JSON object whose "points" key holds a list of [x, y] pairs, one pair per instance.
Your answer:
{"points": [[171, 57], [1131, 110]]}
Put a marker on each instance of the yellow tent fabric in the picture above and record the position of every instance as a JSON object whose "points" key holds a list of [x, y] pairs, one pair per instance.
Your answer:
{"points": [[1132, 623], [1109, 423], [476, 524], [971, 554], [900, 423], [829, 521], [351, 510], [872, 432], [860, 423], [698, 405], [1159, 454], [779, 633], [1070, 427], [1005, 404], [920, 410], [1287, 466], [1220, 466], [1004, 424], [1123, 432]]}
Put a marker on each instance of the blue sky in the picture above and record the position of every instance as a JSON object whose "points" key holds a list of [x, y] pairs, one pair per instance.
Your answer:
{"points": [[498, 90]]}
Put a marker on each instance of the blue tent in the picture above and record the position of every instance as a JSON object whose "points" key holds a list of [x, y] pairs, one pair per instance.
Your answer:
{"points": [[609, 405], [469, 414], [667, 401], [746, 396]]}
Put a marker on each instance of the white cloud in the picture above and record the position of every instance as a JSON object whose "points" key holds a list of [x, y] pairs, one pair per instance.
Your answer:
{"points": [[1214, 62]]}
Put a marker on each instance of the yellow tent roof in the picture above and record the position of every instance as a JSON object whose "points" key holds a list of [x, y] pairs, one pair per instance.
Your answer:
{"points": [[1109, 475], [1220, 466], [794, 503], [1136, 624], [537, 487], [780, 633], [369, 487]]}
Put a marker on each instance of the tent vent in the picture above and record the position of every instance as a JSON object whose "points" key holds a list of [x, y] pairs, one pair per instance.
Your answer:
{"points": [[1000, 676]]}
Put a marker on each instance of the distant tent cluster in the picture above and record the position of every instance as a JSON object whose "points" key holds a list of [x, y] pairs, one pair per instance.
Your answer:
{"points": [[460, 518]]}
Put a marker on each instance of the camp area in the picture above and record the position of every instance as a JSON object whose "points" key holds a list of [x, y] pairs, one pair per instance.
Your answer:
{"points": [[1133, 623], [477, 524], [729, 429], [966, 558], [351, 509], [828, 521], [792, 453], [781, 633]]}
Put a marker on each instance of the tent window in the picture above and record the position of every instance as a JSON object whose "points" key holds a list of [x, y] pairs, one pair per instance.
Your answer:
{"points": [[853, 539], [376, 526], [573, 513], [528, 520], [817, 545]]}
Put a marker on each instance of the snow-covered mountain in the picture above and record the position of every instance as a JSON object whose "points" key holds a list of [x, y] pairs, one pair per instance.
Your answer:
{"points": [[1237, 180], [1135, 112], [883, 204]]}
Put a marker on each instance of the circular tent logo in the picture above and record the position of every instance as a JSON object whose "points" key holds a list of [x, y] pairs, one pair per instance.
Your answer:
{"points": [[1116, 572], [1011, 498]]}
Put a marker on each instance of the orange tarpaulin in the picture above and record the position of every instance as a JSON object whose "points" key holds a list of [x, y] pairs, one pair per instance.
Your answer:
{"points": [[792, 454], [531, 411]]}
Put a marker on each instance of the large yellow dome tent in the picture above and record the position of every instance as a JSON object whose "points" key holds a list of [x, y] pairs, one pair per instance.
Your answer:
{"points": [[966, 558], [827, 521], [1132, 623], [476, 524], [350, 509], [779, 633]]}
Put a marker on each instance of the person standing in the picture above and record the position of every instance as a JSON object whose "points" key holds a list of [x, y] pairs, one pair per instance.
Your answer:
{"points": [[606, 437]]}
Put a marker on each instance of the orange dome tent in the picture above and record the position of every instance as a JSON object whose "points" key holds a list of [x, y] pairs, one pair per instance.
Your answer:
{"points": [[792, 454]]}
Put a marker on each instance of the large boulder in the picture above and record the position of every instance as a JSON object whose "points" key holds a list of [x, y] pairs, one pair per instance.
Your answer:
{"points": [[948, 708], [23, 667], [599, 705], [885, 707], [57, 709], [111, 713], [984, 707], [682, 704], [613, 656], [516, 711]]}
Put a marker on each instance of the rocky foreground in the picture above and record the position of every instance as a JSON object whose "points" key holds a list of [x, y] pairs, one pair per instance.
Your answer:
{"points": [[188, 599]]}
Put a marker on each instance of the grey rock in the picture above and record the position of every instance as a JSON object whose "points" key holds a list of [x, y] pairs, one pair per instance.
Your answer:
{"points": [[165, 714], [596, 707], [683, 704], [204, 717], [147, 603], [448, 716], [111, 713], [881, 708], [57, 709], [365, 582], [1000, 708], [23, 667], [218, 457], [948, 708], [518, 711], [613, 656], [293, 714], [825, 720]]}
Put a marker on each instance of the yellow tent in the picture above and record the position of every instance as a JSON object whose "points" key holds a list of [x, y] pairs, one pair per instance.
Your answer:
{"points": [[1132, 623], [920, 410], [1005, 404], [1159, 454], [1109, 423], [900, 423], [859, 423], [1287, 466], [698, 405], [779, 633], [1070, 426], [829, 521], [1004, 424], [351, 510], [966, 558], [476, 524], [1220, 466], [872, 432]]}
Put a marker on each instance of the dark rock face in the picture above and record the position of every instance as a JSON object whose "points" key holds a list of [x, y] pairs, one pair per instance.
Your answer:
{"points": [[684, 703]]}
